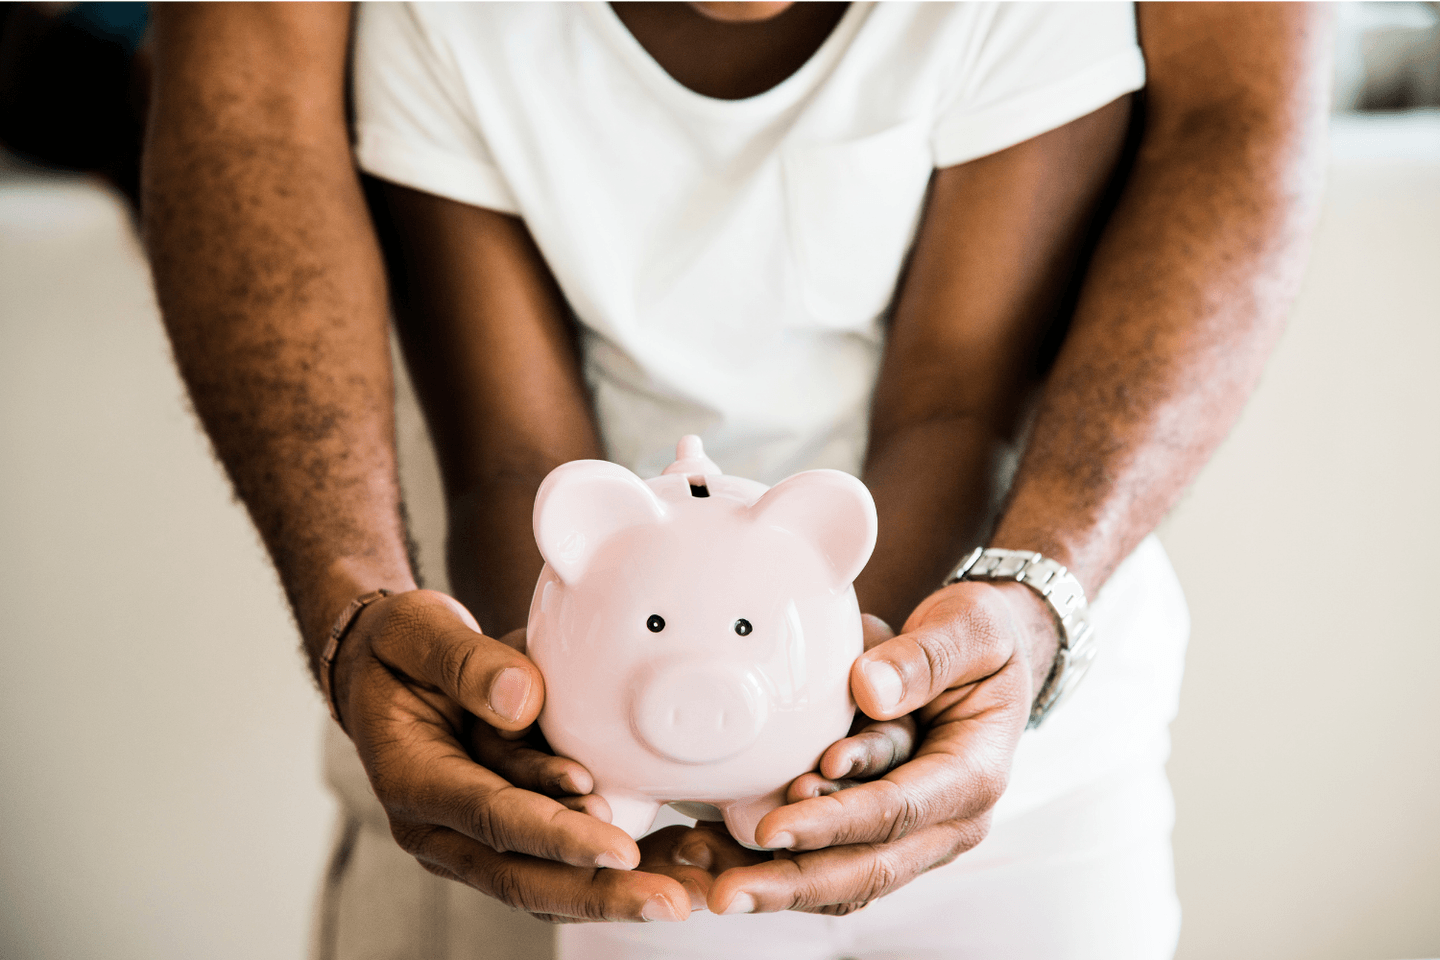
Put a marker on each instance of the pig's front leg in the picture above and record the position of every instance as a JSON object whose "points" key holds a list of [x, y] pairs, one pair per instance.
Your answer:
{"points": [[743, 816], [631, 812]]}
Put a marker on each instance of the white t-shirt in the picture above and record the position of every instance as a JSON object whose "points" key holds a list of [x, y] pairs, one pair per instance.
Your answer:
{"points": [[731, 262]]}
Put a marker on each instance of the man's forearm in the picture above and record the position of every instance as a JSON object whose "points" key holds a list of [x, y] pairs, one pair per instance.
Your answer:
{"points": [[272, 291], [1189, 287], [1179, 308]]}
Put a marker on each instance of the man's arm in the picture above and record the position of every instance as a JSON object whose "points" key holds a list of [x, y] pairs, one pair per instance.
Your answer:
{"points": [[271, 286], [1191, 285], [1183, 300], [272, 292]]}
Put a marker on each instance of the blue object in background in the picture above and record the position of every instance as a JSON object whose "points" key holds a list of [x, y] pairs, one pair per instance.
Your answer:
{"points": [[122, 23]]}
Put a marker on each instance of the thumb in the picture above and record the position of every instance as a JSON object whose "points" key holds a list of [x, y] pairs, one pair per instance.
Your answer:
{"points": [[958, 635], [432, 639]]}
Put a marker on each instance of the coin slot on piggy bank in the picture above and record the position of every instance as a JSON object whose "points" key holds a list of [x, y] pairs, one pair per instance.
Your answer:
{"points": [[696, 631]]}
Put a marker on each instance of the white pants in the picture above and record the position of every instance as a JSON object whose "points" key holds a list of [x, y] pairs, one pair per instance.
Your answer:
{"points": [[1087, 875]]}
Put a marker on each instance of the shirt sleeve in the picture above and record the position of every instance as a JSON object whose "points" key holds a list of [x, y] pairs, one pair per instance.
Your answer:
{"points": [[1036, 67], [413, 123]]}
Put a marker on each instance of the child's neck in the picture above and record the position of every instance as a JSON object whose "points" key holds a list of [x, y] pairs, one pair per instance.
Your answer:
{"points": [[729, 61]]}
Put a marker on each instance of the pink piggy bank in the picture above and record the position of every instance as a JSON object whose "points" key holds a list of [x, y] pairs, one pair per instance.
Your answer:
{"points": [[696, 631]]}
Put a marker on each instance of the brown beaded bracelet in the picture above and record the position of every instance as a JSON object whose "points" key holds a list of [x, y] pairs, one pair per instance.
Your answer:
{"points": [[343, 623]]}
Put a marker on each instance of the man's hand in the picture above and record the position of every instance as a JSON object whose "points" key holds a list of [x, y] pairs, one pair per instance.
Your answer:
{"points": [[967, 665], [412, 674], [872, 749]]}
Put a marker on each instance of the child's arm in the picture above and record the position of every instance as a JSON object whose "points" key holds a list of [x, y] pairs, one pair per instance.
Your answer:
{"points": [[488, 338], [1182, 301]]}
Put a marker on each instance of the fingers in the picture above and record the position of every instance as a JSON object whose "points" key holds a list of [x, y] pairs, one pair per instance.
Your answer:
{"points": [[524, 766], [515, 639], [528, 768], [839, 879], [432, 639], [958, 772], [874, 750], [926, 791], [959, 635], [661, 853], [695, 856], [874, 630], [591, 804], [423, 777], [810, 785], [709, 846], [421, 665], [550, 889], [960, 669]]}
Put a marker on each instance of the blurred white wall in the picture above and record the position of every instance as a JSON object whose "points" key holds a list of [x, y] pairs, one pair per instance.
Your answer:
{"points": [[1306, 763], [158, 736], [159, 795]]}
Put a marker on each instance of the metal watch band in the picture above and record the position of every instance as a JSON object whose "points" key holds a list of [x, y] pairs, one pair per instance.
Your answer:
{"points": [[342, 626], [1066, 598]]}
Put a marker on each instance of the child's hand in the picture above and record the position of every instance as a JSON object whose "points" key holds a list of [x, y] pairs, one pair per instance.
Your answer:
{"points": [[695, 857], [966, 666], [873, 748]]}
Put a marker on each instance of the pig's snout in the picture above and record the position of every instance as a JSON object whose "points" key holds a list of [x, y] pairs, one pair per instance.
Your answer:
{"points": [[699, 712]]}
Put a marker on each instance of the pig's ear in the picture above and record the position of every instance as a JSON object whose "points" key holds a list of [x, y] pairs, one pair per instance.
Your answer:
{"points": [[832, 510], [582, 504]]}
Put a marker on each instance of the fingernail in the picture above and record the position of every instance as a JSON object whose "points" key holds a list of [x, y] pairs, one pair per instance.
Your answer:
{"points": [[781, 841], [570, 783], [694, 855], [509, 691], [740, 903], [697, 896], [463, 613], [885, 681], [658, 908], [613, 861], [850, 763]]}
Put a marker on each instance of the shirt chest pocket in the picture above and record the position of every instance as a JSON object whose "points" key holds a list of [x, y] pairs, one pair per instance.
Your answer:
{"points": [[851, 210]]}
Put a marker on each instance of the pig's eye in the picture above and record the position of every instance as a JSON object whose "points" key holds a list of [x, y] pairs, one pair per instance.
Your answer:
{"points": [[743, 627], [656, 623]]}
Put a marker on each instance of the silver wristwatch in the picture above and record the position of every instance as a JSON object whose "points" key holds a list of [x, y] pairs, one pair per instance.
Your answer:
{"points": [[1066, 598]]}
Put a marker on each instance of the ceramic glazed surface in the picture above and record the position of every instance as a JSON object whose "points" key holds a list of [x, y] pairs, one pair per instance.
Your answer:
{"points": [[696, 631]]}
